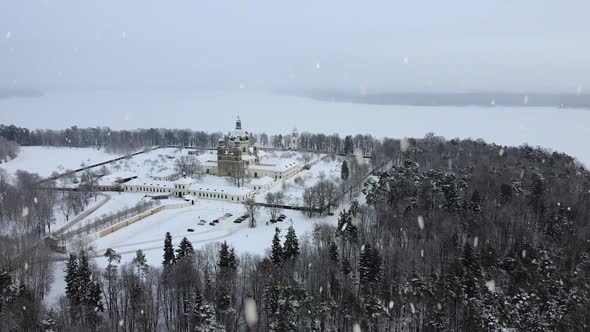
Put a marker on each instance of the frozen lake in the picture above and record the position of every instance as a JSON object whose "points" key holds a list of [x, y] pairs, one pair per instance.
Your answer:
{"points": [[566, 130]]}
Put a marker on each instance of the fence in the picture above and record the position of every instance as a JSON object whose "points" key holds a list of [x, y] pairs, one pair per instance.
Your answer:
{"points": [[108, 221], [67, 246]]}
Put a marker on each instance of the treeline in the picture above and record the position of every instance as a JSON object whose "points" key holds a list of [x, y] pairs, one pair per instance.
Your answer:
{"points": [[8, 150], [124, 141], [456, 235]]}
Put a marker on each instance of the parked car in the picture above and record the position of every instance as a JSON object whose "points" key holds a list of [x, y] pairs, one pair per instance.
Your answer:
{"points": [[330, 213], [272, 221], [212, 223], [245, 216], [238, 221], [190, 230], [216, 221], [283, 216], [202, 222], [227, 215]]}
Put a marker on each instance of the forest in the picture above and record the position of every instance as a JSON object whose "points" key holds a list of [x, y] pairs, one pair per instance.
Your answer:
{"points": [[453, 235]]}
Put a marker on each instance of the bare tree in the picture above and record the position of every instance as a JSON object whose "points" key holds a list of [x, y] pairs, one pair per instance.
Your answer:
{"points": [[188, 165], [275, 200], [252, 209]]}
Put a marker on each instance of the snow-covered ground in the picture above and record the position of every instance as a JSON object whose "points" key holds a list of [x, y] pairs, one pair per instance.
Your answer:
{"points": [[46, 160], [565, 130], [148, 234], [295, 185]]}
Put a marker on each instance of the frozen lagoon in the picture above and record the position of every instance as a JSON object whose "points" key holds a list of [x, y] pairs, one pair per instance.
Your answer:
{"points": [[565, 130]]}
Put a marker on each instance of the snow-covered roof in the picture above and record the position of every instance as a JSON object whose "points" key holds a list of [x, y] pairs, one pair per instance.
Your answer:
{"points": [[184, 180], [282, 166], [150, 183], [261, 181], [165, 173], [203, 187]]}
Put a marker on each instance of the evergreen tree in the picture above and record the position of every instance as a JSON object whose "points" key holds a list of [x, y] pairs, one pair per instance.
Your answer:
{"points": [[169, 258], [348, 145], [225, 279], [291, 249], [370, 273], [48, 323], [276, 249], [71, 278], [140, 264], [344, 171], [334, 253], [185, 249]]}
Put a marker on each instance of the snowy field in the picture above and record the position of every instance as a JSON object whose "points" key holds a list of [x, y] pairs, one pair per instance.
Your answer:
{"points": [[46, 160], [295, 185], [565, 130], [148, 234]]}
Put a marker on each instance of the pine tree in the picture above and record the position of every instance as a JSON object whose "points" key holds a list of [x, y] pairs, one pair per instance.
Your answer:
{"points": [[291, 249], [185, 249], [348, 145], [277, 250], [286, 319], [344, 171], [48, 323], [169, 258], [225, 279], [71, 278], [232, 259], [334, 257], [370, 272], [140, 264]]}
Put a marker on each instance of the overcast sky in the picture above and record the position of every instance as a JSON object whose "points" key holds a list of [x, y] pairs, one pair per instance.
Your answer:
{"points": [[436, 45]]}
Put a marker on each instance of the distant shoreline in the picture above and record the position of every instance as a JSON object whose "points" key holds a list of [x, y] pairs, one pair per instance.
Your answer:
{"points": [[427, 99], [19, 93]]}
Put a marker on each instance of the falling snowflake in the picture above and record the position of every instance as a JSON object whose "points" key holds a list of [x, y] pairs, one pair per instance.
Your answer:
{"points": [[522, 173], [121, 322], [317, 65], [24, 307], [250, 312], [356, 327], [523, 254], [406, 60], [475, 242], [450, 164], [309, 265], [321, 289], [439, 306], [422, 253], [124, 35], [8, 35], [26, 266], [363, 247], [35, 200], [25, 211], [413, 308], [390, 305], [501, 152], [421, 222], [491, 285], [344, 227]]}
